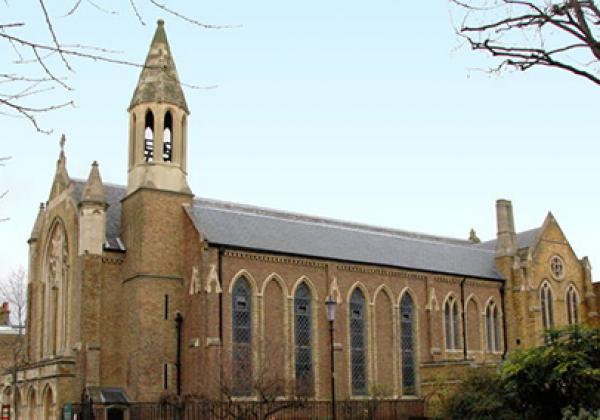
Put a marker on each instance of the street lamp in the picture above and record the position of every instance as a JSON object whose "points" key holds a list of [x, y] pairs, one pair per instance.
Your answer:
{"points": [[330, 304]]}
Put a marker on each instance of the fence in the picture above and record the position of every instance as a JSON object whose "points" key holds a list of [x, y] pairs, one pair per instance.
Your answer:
{"points": [[279, 410]]}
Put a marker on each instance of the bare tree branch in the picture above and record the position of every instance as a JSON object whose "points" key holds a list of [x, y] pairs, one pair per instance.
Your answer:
{"points": [[560, 34], [190, 20], [54, 39], [20, 86]]}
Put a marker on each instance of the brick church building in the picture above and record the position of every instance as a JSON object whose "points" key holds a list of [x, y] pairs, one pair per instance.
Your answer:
{"points": [[143, 290]]}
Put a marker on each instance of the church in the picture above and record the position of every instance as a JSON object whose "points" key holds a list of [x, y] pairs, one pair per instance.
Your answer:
{"points": [[144, 290]]}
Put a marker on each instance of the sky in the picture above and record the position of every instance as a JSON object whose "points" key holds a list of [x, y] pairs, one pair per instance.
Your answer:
{"points": [[369, 112]]}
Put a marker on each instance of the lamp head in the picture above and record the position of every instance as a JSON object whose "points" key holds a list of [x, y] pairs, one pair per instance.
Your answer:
{"points": [[330, 304]]}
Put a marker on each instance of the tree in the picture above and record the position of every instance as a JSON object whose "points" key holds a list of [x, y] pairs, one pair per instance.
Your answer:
{"points": [[14, 291], [545, 380], [558, 380], [44, 66], [561, 34]]}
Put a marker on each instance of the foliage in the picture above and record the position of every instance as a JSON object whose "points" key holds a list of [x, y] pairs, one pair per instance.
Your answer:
{"points": [[481, 397], [560, 379], [570, 414], [565, 372]]}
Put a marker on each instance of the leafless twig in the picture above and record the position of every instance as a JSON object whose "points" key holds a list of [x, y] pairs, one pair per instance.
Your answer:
{"points": [[524, 34]]}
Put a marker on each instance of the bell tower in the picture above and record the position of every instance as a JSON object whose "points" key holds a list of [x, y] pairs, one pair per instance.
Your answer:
{"points": [[158, 123], [152, 224]]}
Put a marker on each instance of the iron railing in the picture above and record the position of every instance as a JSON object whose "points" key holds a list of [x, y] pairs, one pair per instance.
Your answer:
{"points": [[279, 410]]}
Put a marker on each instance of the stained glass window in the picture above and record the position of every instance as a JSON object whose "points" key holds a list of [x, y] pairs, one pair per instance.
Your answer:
{"points": [[488, 328], [303, 330], [451, 319], [447, 325], [572, 306], [241, 302], [547, 306], [407, 343], [496, 323], [492, 327], [358, 343]]}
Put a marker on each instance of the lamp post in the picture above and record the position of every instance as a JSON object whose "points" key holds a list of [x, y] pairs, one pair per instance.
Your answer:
{"points": [[330, 304]]}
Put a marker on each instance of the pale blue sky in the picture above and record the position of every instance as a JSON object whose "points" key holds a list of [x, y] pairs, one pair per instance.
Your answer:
{"points": [[361, 111]]}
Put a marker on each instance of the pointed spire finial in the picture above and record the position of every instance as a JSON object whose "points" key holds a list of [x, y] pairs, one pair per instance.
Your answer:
{"points": [[35, 232], [158, 80], [473, 237], [61, 164], [94, 189]]}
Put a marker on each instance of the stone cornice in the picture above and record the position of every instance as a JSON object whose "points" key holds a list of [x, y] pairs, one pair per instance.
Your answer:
{"points": [[381, 271], [274, 259]]}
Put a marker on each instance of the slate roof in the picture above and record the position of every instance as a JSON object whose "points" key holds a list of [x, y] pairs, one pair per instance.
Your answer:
{"points": [[524, 240], [254, 228]]}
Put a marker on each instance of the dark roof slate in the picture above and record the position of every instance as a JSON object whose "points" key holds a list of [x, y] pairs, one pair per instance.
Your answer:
{"points": [[260, 229], [524, 240]]}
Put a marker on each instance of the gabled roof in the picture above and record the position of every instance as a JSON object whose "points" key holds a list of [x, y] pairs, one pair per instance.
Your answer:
{"points": [[254, 228]]}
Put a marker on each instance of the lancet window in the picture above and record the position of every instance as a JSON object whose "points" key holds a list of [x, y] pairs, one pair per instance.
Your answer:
{"points": [[572, 305], [451, 321], [304, 339], [547, 306], [407, 344], [241, 302], [492, 327], [358, 343]]}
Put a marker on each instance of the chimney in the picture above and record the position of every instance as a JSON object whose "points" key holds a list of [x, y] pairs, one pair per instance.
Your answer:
{"points": [[4, 314], [506, 243]]}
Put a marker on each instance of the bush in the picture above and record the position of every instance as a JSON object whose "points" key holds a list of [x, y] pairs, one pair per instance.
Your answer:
{"points": [[560, 380], [565, 372], [481, 397]]}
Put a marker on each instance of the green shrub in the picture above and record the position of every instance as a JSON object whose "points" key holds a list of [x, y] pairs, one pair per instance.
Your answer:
{"points": [[557, 381], [480, 397]]}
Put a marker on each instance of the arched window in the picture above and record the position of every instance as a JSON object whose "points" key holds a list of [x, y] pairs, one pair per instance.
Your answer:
{"points": [[492, 327], [303, 331], [149, 137], [168, 138], [451, 318], [407, 344], [572, 305], [55, 295], [547, 306], [241, 330], [358, 337]]}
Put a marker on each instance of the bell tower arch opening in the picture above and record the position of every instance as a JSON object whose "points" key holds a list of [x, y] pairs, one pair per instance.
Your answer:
{"points": [[158, 119], [149, 136], [168, 137]]}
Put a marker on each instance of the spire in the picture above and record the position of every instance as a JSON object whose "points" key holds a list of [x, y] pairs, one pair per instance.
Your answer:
{"points": [[159, 81], [94, 190], [35, 232]]}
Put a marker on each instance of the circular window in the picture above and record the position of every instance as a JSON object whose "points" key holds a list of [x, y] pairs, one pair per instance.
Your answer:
{"points": [[557, 267]]}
